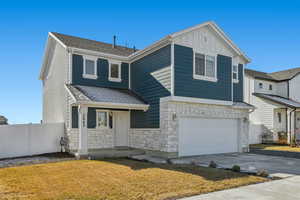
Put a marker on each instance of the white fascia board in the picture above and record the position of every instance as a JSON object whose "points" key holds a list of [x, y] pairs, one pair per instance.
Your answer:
{"points": [[114, 105], [157, 45], [219, 31], [45, 57], [98, 54], [71, 94], [196, 100], [58, 40]]}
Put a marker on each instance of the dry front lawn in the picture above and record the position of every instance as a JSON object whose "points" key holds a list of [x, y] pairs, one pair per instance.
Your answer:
{"points": [[276, 147], [114, 179]]}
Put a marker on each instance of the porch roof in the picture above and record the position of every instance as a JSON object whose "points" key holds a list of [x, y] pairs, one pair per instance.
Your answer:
{"points": [[106, 97], [280, 100]]}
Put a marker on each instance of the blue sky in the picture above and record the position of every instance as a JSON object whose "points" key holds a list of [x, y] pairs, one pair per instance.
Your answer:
{"points": [[267, 31]]}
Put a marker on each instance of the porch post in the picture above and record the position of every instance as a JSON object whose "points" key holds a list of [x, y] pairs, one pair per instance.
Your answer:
{"points": [[83, 137]]}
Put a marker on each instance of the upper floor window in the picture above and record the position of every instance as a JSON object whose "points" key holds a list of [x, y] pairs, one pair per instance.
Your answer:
{"points": [[89, 67], [260, 85], [270, 87], [235, 73], [205, 67], [114, 71]]}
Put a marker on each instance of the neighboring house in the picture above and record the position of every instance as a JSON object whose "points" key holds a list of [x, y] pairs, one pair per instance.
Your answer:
{"points": [[3, 120], [181, 96], [276, 97]]}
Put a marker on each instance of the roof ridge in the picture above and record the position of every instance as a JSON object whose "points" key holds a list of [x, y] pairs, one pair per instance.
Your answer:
{"points": [[285, 70], [92, 40]]}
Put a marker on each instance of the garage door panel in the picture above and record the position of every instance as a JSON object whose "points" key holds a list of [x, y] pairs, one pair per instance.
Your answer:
{"points": [[198, 136]]}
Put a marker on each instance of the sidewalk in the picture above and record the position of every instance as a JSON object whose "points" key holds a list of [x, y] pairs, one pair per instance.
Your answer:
{"points": [[288, 188]]}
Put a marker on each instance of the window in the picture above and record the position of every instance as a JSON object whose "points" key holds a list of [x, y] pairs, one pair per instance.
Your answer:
{"points": [[235, 73], [89, 67], [205, 67], [115, 71], [260, 85], [279, 117], [270, 87], [102, 119]]}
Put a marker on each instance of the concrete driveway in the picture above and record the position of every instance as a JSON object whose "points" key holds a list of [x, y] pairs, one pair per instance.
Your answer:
{"points": [[248, 162], [287, 188]]}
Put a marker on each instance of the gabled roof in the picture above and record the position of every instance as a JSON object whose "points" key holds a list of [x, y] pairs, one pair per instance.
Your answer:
{"points": [[274, 76], [126, 53], [259, 75], [286, 74], [82, 43], [280, 100], [211, 24], [107, 97], [219, 32]]}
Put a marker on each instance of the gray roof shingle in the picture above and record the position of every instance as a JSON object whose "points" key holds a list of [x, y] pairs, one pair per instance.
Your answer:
{"points": [[285, 74], [81, 43], [107, 95], [274, 76], [258, 74], [279, 99]]}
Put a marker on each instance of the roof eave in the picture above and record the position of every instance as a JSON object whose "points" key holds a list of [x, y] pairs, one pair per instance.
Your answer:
{"points": [[114, 105], [278, 102], [220, 32], [141, 53]]}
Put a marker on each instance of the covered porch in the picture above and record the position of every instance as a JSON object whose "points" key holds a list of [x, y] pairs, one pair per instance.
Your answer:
{"points": [[101, 119], [286, 118]]}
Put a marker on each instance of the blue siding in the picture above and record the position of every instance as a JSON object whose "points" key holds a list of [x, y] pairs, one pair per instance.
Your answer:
{"points": [[186, 86], [143, 83], [75, 117], [238, 93], [102, 70]]}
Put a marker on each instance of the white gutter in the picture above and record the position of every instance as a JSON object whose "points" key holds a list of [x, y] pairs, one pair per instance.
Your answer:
{"points": [[113, 105]]}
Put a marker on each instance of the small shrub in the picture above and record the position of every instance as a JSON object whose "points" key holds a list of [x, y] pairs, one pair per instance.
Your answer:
{"points": [[212, 164], [262, 173], [236, 168]]}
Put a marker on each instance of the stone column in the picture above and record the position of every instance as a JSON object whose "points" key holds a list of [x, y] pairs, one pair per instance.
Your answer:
{"points": [[83, 137]]}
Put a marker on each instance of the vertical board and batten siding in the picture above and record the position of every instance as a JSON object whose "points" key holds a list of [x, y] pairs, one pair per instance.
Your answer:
{"points": [[148, 87], [102, 72], [238, 93], [187, 86]]}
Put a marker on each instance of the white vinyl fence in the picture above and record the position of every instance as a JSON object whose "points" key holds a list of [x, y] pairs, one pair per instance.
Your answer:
{"points": [[30, 139]]}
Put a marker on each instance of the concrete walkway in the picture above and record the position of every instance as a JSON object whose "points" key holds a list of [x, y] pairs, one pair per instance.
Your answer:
{"points": [[288, 188]]}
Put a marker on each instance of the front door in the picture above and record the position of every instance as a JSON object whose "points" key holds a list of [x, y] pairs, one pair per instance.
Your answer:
{"points": [[121, 128]]}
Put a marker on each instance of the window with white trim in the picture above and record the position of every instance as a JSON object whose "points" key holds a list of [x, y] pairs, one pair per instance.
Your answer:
{"points": [[115, 71], [205, 67], [235, 73], [102, 119], [89, 67]]}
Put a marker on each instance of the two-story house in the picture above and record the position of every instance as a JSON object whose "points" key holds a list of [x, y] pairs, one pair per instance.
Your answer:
{"points": [[276, 97], [181, 96]]}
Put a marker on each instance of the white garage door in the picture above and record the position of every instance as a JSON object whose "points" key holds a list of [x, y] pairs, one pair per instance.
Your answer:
{"points": [[198, 136]]}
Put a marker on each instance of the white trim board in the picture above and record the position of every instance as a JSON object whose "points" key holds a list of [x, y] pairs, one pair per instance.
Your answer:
{"points": [[195, 100], [113, 105]]}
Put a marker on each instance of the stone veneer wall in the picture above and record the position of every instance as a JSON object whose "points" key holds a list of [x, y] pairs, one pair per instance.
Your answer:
{"points": [[169, 123], [97, 138], [149, 139]]}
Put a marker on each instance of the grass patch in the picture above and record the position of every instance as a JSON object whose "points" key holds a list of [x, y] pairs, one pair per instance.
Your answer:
{"points": [[115, 179], [276, 147]]}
